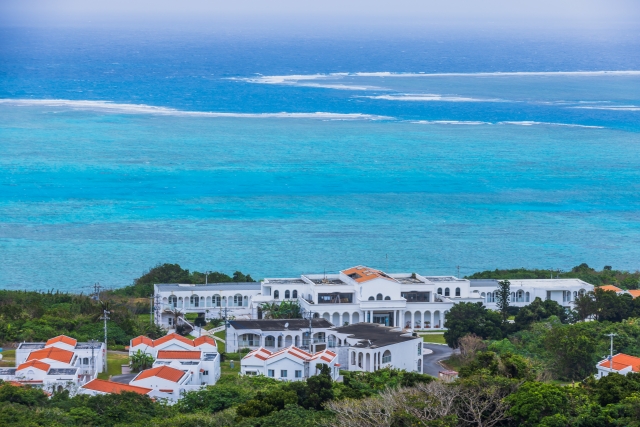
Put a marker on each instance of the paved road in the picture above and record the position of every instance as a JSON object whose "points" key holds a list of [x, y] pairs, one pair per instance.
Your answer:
{"points": [[430, 361], [123, 379]]}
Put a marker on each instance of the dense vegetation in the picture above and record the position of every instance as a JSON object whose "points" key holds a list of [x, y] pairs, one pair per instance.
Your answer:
{"points": [[607, 276], [233, 401], [38, 316], [173, 273]]}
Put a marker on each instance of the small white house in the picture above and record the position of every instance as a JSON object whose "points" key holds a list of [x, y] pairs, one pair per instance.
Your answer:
{"points": [[204, 368], [166, 382], [172, 342], [620, 363], [276, 334], [288, 364]]}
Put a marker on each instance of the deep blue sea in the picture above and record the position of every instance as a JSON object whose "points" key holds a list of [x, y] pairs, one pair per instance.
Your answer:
{"points": [[283, 156]]}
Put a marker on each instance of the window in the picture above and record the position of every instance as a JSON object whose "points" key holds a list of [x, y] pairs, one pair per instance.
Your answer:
{"points": [[457, 292], [353, 358], [173, 301], [269, 341], [548, 295], [439, 291], [195, 301], [205, 373], [447, 292], [298, 374], [85, 361], [387, 298], [371, 298], [526, 297], [237, 300], [287, 294], [295, 294], [276, 294], [283, 373], [379, 297], [386, 357], [271, 373], [170, 321], [216, 300], [419, 349]]}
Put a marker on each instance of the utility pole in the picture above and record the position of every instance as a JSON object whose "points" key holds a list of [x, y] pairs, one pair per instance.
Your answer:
{"points": [[611, 351], [151, 298], [458, 267], [206, 277], [105, 316], [96, 289], [93, 360]]}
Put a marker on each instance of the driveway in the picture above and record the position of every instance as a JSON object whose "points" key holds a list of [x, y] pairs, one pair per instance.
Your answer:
{"points": [[430, 361], [123, 379]]}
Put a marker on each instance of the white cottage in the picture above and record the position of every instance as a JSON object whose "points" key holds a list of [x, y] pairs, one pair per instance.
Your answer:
{"points": [[289, 364]]}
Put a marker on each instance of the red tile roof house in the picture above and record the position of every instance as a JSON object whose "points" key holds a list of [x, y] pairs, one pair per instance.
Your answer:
{"points": [[170, 342], [620, 363], [288, 364]]}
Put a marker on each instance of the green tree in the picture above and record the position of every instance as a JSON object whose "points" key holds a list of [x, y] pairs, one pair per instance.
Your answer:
{"points": [[573, 350], [140, 361], [503, 294], [535, 401], [540, 310], [471, 318]]}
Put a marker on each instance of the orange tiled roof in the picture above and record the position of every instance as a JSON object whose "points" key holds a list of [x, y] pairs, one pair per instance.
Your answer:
{"points": [[63, 339], [170, 337], [622, 361], [363, 274], [34, 364], [141, 340], [610, 288], [53, 353], [175, 354], [204, 339], [264, 354], [635, 293], [165, 372], [112, 387]]}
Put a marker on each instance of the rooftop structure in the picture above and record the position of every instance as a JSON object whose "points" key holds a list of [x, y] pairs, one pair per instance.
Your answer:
{"points": [[620, 363]]}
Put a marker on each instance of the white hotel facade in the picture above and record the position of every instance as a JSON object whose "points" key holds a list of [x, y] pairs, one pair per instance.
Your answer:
{"points": [[358, 294]]}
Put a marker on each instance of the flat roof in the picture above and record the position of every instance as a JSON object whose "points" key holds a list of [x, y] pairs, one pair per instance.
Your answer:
{"points": [[278, 324], [32, 345], [479, 283], [328, 281], [444, 279], [62, 371], [409, 280], [230, 286], [292, 281], [373, 335], [88, 345]]}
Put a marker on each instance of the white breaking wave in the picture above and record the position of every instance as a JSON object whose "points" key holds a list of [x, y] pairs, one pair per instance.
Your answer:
{"points": [[502, 73], [429, 97], [516, 123], [610, 107], [111, 107], [303, 80], [532, 123], [451, 122]]}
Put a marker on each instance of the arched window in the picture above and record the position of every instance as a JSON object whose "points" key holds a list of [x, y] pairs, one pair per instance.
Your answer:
{"points": [[237, 300], [482, 295], [173, 301], [581, 292], [520, 296], [386, 357], [387, 298], [195, 301], [287, 294], [420, 365], [447, 292], [353, 358], [295, 294], [526, 297], [439, 291], [379, 297], [276, 294], [269, 341], [215, 300], [457, 292], [85, 361], [371, 298]]}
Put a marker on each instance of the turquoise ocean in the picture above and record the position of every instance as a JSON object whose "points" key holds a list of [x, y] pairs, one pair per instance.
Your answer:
{"points": [[279, 157]]}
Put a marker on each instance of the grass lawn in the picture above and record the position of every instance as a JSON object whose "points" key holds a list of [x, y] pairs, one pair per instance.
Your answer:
{"points": [[225, 367], [8, 358], [146, 317], [221, 346], [434, 338], [114, 364]]}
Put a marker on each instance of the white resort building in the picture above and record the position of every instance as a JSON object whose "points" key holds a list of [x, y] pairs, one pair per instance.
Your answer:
{"points": [[61, 363], [358, 347], [358, 294]]}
